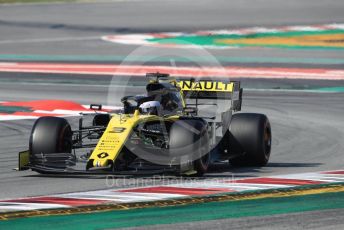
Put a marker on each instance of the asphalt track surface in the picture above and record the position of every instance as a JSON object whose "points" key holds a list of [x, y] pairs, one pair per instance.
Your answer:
{"points": [[62, 29], [307, 127]]}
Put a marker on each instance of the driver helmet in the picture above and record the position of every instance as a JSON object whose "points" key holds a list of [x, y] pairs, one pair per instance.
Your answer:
{"points": [[150, 107]]}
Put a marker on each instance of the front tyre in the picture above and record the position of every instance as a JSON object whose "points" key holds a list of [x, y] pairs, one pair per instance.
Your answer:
{"points": [[50, 135], [250, 137], [201, 164], [189, 137]]}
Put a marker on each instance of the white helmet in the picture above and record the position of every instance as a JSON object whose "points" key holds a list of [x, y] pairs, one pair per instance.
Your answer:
{"points": [[150, 107]]}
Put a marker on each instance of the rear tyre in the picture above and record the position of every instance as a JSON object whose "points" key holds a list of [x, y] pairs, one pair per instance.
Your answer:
{"points": [[250, 136], [50, 135]]}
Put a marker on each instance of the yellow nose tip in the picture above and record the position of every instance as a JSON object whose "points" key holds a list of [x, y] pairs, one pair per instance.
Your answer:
{"points": [[136, 113]]}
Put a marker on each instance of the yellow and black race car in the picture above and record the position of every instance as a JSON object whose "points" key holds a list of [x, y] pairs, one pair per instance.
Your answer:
{"points": [[179, 126]]}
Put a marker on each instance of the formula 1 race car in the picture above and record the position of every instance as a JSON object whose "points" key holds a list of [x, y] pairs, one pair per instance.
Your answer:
{"points": [[163, 131]]}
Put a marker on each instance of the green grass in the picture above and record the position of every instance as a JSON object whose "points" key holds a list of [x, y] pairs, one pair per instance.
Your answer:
{"points": [[213, 40]]}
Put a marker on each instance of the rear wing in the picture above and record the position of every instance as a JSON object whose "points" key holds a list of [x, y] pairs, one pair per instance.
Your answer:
{"points": [[213, 89]]}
